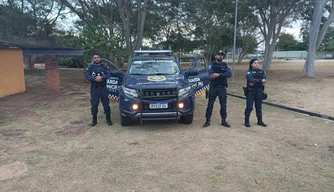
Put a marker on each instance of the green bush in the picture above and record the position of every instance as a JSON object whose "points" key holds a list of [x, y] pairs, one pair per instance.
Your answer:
{"points": [[71, 62]]}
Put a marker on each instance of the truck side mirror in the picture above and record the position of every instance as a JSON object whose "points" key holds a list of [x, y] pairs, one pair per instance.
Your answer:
{"points": [[116, 73], [191, 72]]}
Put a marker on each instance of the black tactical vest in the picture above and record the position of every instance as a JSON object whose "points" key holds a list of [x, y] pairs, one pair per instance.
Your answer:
{"points": [[98, 72], [259, 75], [219, 68]]}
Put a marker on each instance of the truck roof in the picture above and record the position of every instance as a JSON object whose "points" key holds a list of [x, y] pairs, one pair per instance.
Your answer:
{"points": [[148, 57]]}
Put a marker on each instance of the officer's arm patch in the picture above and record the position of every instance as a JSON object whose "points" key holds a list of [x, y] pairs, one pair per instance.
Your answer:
{"points": [[210, 66], [248, 72]]}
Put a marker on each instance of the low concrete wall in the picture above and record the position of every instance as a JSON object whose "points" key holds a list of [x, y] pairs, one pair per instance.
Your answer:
{"points": [[11, 72]]}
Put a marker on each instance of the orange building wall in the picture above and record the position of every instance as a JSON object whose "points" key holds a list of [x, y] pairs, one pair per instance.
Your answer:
{"points": [[11, 72]]}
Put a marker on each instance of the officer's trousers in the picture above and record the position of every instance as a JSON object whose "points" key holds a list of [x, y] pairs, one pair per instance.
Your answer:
{"points": [[219, 91], [254, 96], [97, 94]]}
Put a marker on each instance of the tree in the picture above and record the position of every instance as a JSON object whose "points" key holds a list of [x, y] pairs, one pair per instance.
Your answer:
{"points": [[122, 18], [213, 23], [248, 44], [249, 35], [272, 14], [127, 9], [99, 28], [286, 42], [30, 18], [327, 43], [315, 37]]}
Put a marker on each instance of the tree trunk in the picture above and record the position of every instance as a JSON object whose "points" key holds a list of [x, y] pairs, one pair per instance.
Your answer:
{"points": [[29, 61], [269, 57], [308, 70], [125, 17], [142, 19], [324, 28], [209, 52], [241, 56], [266, 54]]}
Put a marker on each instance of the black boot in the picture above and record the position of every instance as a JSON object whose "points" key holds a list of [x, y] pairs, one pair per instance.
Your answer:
{"points": [[247, 122], [224, 123], [260, 122], [94, 122], [108, 120], [207, 123]]}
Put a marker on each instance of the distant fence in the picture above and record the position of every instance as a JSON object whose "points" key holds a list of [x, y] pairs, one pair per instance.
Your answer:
{"points": [[298, 54]]}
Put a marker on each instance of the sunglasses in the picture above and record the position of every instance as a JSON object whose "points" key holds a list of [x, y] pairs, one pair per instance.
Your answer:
{"points": [[96, 57]]}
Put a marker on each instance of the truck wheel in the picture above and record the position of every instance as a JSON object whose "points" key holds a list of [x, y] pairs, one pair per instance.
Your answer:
{"points": [[126, 121], [188, 119]]}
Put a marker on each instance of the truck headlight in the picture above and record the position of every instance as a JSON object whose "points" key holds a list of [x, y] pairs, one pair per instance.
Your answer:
{"points": [[130, 92], [184, 91]]}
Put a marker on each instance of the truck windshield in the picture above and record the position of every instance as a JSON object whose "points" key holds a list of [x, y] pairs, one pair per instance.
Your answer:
{"points": [[154, 67]]}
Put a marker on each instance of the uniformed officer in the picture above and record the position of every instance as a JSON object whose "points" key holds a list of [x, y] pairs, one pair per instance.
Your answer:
{"points": [[256, 78], [219, 71], [97, 73]]}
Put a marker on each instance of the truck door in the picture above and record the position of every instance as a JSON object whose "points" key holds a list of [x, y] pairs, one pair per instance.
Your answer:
{"points": [[114, 82], [202, 80]]}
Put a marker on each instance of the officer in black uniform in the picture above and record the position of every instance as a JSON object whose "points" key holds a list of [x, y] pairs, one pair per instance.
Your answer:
{"points": [[219, 71], [256, 78], [97, 73]]}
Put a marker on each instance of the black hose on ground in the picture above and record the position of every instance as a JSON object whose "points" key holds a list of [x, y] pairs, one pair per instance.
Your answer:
{"points": [[290, 108]]}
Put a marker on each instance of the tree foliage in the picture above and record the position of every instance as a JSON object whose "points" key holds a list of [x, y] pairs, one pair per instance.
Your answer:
{"points": [[118, 27], [271, 14]]}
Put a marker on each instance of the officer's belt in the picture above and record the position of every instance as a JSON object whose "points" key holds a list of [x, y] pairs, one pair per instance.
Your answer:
{"points": [[255, 88], [216, 86], [98, 86]]}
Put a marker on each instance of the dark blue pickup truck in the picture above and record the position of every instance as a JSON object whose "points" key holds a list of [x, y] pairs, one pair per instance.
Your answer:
{"points": [[158, 86]]}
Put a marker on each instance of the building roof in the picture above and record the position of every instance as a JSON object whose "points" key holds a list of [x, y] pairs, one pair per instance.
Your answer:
{"points": [[32, 46]]}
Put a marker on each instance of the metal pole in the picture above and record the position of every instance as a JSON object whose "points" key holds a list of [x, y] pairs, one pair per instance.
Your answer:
{"points": [[235, 36]]}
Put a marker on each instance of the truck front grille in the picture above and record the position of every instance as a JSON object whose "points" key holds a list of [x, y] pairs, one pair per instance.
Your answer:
{"points": [[158, 94]]}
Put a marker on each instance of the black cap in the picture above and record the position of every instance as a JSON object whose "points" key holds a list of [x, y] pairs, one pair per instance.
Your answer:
{"points": [[220, 52]]}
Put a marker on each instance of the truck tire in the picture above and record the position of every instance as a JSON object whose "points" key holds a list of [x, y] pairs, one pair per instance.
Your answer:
{"points": [[125, 120], [187, 119]]}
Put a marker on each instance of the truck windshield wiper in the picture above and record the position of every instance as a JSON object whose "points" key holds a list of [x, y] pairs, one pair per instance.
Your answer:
{"points": [[163, 74], [136, 74]]}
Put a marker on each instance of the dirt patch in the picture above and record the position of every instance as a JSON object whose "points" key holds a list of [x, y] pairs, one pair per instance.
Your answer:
{"points": [[13, 132], [134, 143], [26, 115], [86, 100], [2, 121], [292, 143], [28, 118], [12, 170], [35, 94], [77, 122], [73, 130], [331, 148], [75, 93], [162, 155], [83, 105], [24, 149]]}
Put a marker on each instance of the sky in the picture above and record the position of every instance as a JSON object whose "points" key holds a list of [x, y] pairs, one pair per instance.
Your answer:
{"points": [[294, 30]]}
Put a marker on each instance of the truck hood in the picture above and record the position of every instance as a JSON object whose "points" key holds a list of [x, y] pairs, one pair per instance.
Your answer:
{"points": [[155, 81]]}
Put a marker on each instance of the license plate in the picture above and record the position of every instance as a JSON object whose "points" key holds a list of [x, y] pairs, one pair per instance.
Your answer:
{"points": [[158, 105]]}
